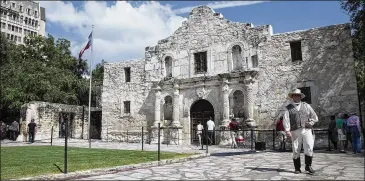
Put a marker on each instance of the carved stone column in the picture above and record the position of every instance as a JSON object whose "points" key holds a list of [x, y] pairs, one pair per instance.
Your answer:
{"points": [[157, 106], [176, 106], [225, 138], [249, 103], [225, 91]]}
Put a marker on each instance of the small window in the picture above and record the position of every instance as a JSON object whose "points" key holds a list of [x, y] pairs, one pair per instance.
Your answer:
{"points": [[13, 5], [9, 27], [127, 74], [200, 62], [307, 92], [36, 14], [127, 106], [12, 28], [19, 39], [255, 62], [296, 51], [20, 8]]}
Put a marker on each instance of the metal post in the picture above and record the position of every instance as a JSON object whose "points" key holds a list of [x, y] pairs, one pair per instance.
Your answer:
{"points": [[158, 144], [142, 137], [51, 136], [328, 142], [273, 139], [206, 138], [251, 139], [66, 137]]}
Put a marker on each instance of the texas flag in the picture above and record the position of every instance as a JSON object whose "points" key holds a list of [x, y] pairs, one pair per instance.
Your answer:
{"points": [[88, 45]]}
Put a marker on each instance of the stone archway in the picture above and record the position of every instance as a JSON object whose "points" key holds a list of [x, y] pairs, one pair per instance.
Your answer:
{"points": [[200, 112]]}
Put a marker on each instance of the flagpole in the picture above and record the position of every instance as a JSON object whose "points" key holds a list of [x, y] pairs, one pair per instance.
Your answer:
{"points": [[91, 75]]}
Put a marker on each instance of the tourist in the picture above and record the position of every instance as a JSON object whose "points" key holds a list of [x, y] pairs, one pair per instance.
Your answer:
{"points": [[32, 130], [2, 130], [233, 129], [353, 124], [199, 132], [332, 132], [280, 132], [341, 133], [347, 131], [14, 129], [299, 118], [210, 125]]}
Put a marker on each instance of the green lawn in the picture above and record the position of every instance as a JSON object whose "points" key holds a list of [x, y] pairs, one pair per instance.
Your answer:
{"points": [[25, 161]]}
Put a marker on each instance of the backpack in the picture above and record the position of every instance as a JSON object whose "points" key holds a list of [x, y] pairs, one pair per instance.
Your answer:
{"points": [[234, 126]]}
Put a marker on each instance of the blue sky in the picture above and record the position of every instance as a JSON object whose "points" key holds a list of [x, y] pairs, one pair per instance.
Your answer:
{"points": [[64, 19]]}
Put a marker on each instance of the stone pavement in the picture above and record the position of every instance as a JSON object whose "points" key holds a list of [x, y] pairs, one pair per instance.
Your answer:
{"points": [[248, 165]]}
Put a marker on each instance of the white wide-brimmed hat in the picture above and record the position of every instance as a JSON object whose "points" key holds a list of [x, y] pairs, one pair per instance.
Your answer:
{"points": [[296, 91]]}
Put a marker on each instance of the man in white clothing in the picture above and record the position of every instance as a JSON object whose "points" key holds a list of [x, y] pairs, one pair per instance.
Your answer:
{"points": [[199, 132], [211, 126], [299, 118]]}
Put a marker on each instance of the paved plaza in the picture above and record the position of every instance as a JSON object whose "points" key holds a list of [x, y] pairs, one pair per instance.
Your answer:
{"points": [[247, 166], [229, 164]]}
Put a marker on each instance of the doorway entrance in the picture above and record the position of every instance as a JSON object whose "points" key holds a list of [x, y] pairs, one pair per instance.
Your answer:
{"points": [[66, 118], [200, 112]]}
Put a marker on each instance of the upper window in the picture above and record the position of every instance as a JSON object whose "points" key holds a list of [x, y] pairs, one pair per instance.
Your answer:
{"points": [[296, 51], [168, 66], [127, 106], [255, 61], [307, 92], [200, 62], [20, 8], [127, 73], [237, 57]]}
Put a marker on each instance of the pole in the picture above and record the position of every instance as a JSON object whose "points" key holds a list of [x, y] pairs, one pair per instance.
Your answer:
{"points": [[158, 144], [206, 142], [66, 135], [251, 139], [51, 136], [142, 138], [91, 75], [273, 139]]}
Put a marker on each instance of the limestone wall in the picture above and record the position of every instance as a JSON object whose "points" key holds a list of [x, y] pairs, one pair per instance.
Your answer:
{"points": [[116, 90], [46, 116], [327, 68]]}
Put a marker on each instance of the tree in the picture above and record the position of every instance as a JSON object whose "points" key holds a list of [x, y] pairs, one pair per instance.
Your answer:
{"points": [[97, 84], [356, 10], [41, 70]]}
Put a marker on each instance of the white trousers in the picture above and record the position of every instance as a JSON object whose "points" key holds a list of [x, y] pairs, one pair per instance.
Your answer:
{"points": [[233, 137], [302, 136]]}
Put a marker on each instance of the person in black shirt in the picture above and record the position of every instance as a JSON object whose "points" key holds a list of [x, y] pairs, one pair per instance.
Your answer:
{"points": [[32, 129]]}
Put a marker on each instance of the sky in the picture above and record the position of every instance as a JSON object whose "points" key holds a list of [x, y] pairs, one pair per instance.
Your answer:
{"points": [[122, 29]]}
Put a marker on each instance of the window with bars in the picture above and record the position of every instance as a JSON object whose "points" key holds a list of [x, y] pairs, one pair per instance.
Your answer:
{"points": [[307, 92], [200, 62], [255, 61], [127, 74], [296, 50], [127, 106]]}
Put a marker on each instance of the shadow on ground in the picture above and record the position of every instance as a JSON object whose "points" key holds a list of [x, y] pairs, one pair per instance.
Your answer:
{"points": [[264, 169], [234, 153]]}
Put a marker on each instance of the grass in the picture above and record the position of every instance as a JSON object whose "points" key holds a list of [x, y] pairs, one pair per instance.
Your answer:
{"points": [[27, 161]]}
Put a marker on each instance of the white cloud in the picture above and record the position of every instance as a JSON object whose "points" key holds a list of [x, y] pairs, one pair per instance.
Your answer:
{"points": [[219, 5], [122, 30]]}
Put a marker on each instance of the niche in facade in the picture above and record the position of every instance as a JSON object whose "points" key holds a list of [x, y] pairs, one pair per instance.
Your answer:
{"points": [[167, 107], [238, 104], [168, 66], [237, 57]]}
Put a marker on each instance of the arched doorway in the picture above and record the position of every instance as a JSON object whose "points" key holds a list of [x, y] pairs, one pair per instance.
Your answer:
{"points": [[200, 111]]}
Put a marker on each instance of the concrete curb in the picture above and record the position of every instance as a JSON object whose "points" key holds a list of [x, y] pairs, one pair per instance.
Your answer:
{"points": [[102, 171]]}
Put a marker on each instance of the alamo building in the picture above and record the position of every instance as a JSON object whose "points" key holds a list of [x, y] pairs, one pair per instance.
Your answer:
{"points": [[212, 67]]}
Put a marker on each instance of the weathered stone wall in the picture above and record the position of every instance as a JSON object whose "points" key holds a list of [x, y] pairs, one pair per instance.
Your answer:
{"points": [[46, 116], [116, 90], [327, 68]]}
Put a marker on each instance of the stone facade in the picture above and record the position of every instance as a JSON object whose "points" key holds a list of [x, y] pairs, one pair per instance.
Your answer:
{"points": [[247, 72], [47, 115]]}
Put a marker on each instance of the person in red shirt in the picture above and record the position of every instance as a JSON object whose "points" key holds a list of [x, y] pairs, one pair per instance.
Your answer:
{"points": [[281, 133], [233, 129]]}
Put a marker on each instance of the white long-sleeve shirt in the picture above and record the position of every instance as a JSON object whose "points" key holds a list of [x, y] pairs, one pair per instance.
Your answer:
{"points": [[313, 118]]}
